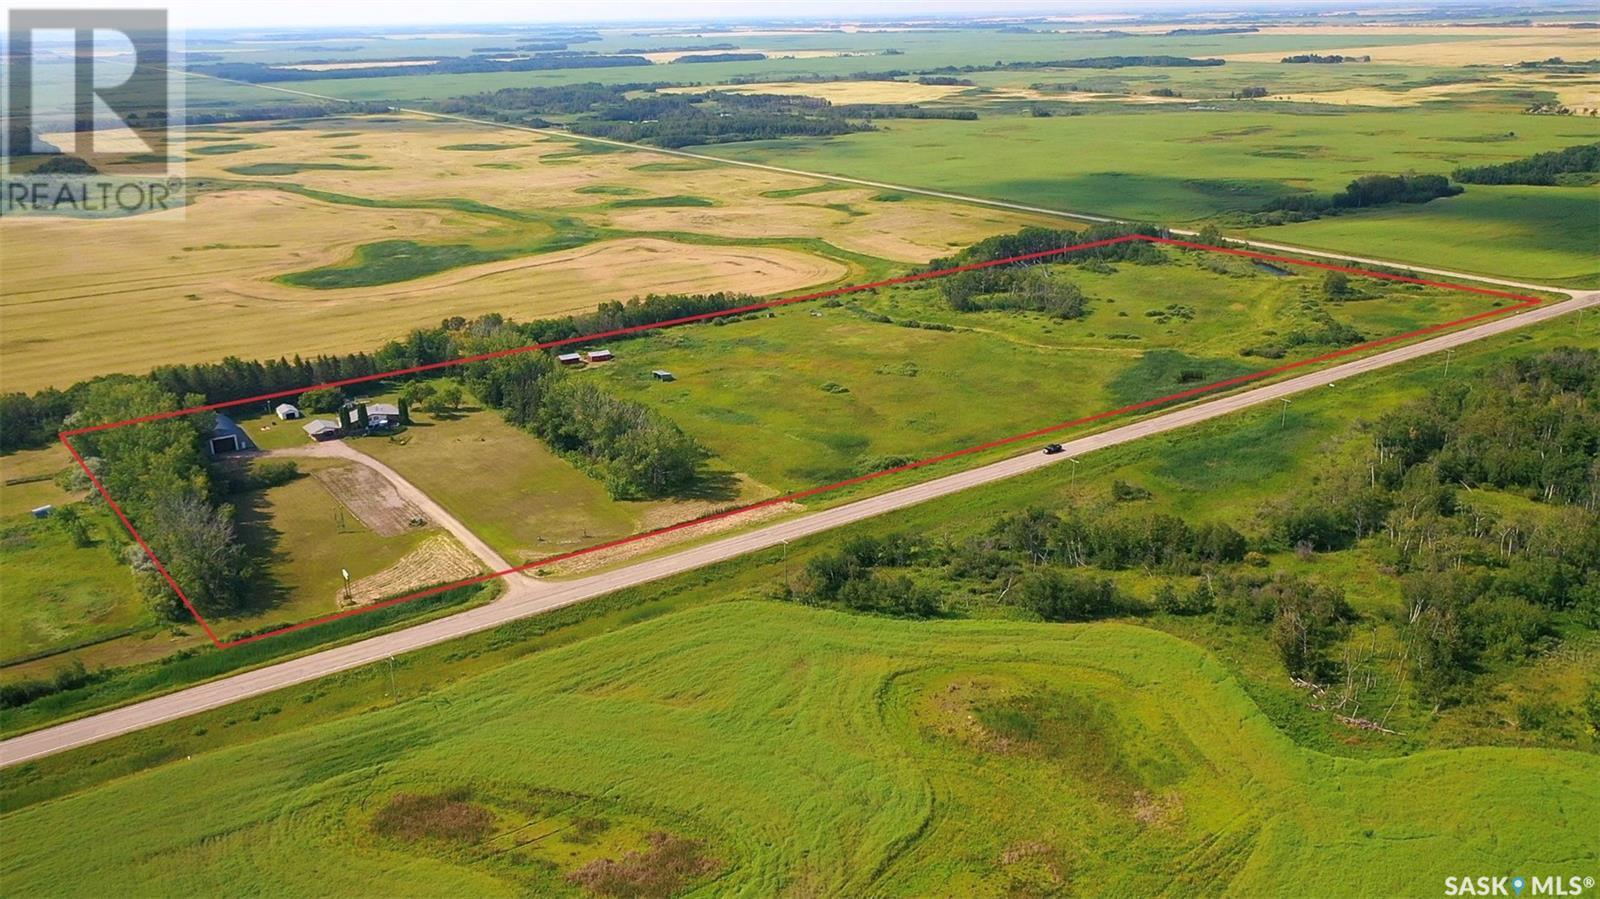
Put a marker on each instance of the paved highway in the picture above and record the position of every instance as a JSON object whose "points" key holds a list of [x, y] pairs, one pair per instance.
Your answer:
{"points": [[525, 597]]}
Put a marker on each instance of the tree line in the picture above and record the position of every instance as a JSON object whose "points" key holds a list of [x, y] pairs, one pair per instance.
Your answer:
{"points": [[1540, 168], [635, 451], [1368, 191], [1029, 286], [639, 113], [30, 421]]}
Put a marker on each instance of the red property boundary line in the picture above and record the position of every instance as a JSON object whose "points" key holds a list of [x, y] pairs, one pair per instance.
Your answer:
{"points": [[1523, 301]]}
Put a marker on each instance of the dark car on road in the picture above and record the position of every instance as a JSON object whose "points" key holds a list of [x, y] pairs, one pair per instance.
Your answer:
{"points": [[1050, 449]]}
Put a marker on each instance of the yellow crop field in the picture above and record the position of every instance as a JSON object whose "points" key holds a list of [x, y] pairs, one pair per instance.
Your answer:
{"points": [[843, 91], [312, 197]]}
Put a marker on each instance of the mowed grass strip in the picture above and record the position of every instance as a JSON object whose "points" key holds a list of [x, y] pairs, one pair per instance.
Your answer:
{"points": [[851, 754]]}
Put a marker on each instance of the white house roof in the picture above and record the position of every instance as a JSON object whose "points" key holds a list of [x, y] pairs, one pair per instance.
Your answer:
{"points": [[383, 409], [319, 425]]}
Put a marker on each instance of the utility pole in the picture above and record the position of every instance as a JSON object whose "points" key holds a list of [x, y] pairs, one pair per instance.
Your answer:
{"points": [[1447, 356], [1284, 420], [346, 573], [393, 691], [1074, 461]]}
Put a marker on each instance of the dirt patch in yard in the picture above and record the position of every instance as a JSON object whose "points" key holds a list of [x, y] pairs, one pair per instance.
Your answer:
{"points": [[439, 560], [372, 499]]}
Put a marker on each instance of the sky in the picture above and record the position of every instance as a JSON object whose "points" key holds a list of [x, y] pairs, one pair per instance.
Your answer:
{"points": [[209, 14]]}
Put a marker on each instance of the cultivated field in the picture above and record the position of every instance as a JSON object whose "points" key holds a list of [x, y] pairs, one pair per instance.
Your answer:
{"points": [[295, 251], [819, 752], [1192, 167]]}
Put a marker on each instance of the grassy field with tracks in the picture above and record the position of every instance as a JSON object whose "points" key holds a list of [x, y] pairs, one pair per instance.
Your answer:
{"points": [[789, 749]]}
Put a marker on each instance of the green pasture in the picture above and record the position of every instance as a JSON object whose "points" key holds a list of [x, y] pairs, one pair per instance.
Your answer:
{"points": [[59, 594], [1545, 234], [810, 750], [820, 392]]}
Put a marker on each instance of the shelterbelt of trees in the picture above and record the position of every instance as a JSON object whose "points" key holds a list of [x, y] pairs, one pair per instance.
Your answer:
{"points": [[1578, 164], [1480, 590], [1029, 285], [638, 113]]}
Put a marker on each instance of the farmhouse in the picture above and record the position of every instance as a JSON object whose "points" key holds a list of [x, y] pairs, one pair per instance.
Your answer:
{"points": [[569, 358], [321, 429], [287, 411], [662, 375], [227, 437], [382, 416], [600, 356]]}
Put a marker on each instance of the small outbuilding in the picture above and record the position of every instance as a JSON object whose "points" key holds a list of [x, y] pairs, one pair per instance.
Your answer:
{"points": [[382, 416], [43, 511], [600, 356], [227, 437], [320, 429], [569, 359], [287, 411], [662, 375]]}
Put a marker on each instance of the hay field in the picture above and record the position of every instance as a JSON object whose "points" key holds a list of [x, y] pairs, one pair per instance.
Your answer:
{"points": [[841, 91], [813, 753]]}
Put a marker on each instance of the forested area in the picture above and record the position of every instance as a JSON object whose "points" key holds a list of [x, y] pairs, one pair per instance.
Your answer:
{"points": [[1484, 587], [1541, 168], [619, 112]]}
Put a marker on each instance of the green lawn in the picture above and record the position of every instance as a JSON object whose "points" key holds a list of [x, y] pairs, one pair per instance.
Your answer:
{"points": [[513, 492], [826, 753], [504, 483]]}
